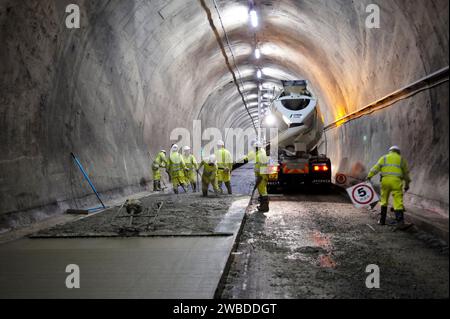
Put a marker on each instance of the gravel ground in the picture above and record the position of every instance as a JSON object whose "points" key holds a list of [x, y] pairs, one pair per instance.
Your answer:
{"points": [[318, 246], [179, 214]]}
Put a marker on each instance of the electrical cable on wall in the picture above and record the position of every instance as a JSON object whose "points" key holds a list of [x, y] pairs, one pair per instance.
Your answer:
{"points": [[227, 61]]}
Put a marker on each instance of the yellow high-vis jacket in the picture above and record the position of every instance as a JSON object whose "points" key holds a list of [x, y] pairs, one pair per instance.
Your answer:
{"points": [[175, 165], [260, 159], [224, 159], [160, 161], [392, 165], [190, 162]]}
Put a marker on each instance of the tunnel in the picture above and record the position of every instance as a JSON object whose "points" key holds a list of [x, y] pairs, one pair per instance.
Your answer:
{"points": [[115, 90]]}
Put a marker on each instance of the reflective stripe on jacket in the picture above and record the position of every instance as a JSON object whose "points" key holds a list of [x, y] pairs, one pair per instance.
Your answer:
{"points": [[391, 164], [261, 161], [190, 162], [160, 161], [224, 159], [208, 170], [175, 163]]}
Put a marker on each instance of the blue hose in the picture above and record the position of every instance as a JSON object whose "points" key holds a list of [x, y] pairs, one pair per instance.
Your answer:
{"points": [[89, 181]]}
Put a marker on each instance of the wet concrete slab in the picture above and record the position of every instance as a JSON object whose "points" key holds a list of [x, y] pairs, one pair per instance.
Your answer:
{"points": [[161, 215], [169, 267], [317, 245]]}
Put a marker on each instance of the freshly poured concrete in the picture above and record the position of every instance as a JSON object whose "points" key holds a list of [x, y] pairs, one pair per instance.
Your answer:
{"points": [[187, 267]]}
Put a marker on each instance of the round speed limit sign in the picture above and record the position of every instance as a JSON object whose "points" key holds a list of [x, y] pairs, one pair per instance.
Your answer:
{"points": [[362, 194], [341, 179]]}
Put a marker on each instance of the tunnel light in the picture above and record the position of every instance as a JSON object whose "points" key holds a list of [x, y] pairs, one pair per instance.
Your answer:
{"points": [[235, 15], [254, 18], [270, 120], [257, 53], [259, 74]]}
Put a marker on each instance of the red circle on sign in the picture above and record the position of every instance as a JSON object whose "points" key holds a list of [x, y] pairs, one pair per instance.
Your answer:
{"points": [[370, 191], [341, 178]]}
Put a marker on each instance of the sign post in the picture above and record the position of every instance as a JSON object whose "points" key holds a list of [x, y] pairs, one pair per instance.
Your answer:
{"points": [[362, 195]]}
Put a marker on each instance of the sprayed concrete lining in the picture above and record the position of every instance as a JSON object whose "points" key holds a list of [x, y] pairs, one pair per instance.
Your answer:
{"points": [[116, 88]]}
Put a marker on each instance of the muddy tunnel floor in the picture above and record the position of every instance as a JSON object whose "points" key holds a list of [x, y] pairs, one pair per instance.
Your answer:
{"points": [[318, 246], [167, 214]]}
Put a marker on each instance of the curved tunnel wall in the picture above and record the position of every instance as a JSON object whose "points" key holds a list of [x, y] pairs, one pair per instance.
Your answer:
{"points": [[115, 89]]}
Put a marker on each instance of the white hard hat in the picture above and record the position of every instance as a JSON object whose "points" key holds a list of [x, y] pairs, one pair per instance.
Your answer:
{"points": [[220, 143], [394, 148], [212, 159], [186, 148], [164, 151], [258, 144], [174, 148]]}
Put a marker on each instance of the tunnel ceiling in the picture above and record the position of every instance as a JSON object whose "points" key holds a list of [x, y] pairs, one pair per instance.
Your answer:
{"points": [[323, 41], [166, 53]]}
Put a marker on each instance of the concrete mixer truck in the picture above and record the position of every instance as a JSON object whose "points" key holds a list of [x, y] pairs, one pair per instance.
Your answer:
{"points": [[300, 129]]}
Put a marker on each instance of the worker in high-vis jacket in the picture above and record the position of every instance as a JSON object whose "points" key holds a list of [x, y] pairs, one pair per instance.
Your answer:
{"points": [[159, 163], [209, 175], [176, 168], [191, 168], [394, 172], [224, 165], [261, 160]]}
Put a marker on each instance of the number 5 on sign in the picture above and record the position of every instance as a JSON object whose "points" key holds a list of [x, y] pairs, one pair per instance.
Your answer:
{"points": [[362, 195]]}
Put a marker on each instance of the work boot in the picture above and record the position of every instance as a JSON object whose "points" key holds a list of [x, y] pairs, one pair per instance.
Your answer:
{"points": [[175, 190], [399, 217], [194, 187], [264, 204], [155, 186], [267, 203], [228, 185], [159, 186], [205, 193], [382, 220], [260, 201]]}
